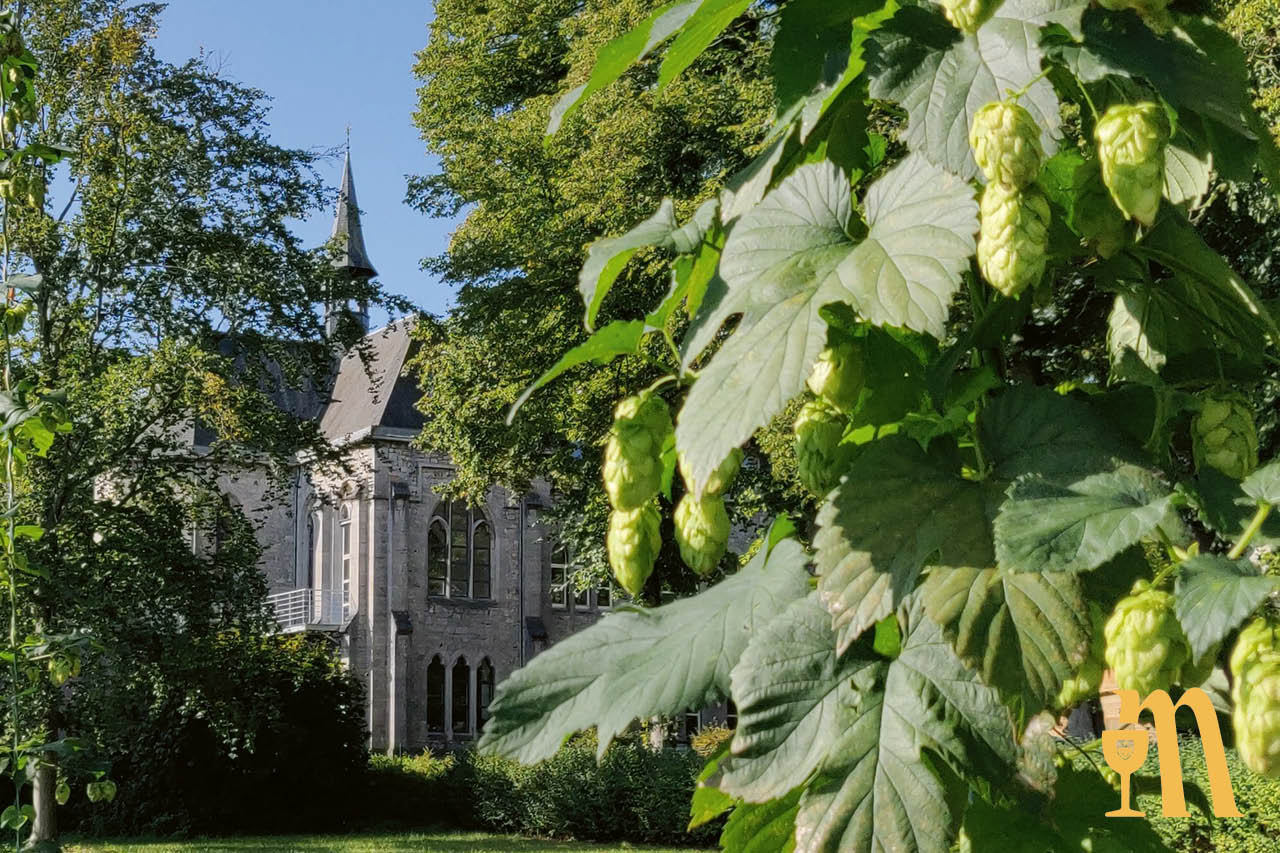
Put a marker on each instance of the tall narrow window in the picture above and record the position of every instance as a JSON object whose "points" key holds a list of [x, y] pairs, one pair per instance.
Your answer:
{"points": [[313, 547], [604, 596], [731, 715], [435, 696], [437, 558], [484, 692], [460, 552], [560, 577], [480, 560], [344, 526], [461, 696]]}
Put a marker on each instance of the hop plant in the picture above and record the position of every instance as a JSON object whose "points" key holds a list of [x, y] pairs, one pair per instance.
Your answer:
{"points": [[720, 478], [1006, 143], [1145, 644], [633, 543], [1088, 678], [1223, 436], [1197, 672], [1013, 237], [1101, 225], [967, 15], [1131, 140], [633, 454], [1255, 696], [838, 374], [819, 427], [702, 531]]}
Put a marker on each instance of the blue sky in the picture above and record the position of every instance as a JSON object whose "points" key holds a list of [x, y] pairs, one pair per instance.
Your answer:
{"points": [[325, 63]]}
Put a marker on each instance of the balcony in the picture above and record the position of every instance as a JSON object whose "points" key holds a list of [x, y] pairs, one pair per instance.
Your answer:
{"points": [[307, 610]]}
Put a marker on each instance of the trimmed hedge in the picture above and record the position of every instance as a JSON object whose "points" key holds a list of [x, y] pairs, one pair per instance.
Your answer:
{"points": [[633, 794]]}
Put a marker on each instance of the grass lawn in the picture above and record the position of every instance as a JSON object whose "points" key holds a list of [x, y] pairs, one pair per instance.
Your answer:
{"points": [[446, 842]]}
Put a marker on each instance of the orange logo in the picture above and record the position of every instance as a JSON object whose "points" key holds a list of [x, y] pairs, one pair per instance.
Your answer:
{"points": [[1126, 749]]}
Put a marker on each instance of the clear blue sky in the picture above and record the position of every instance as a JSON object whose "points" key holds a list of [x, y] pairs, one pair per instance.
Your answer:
{"points": [[327, 63]]}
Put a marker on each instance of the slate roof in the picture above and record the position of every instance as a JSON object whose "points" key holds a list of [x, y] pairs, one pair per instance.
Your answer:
{"points": [[371, 388]]}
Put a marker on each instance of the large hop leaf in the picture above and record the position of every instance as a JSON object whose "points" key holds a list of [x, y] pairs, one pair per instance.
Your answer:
{"points": [[1224, 436], [1086, 681], [1145, 644], [1014, 238], [1006, 143], [1131, 142], [968, 15], [633, 543], [702, 531]]}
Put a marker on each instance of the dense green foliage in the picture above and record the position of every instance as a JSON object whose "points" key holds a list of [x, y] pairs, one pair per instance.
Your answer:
{"points": [[1056, 375], [631, 794], [200, 739]]}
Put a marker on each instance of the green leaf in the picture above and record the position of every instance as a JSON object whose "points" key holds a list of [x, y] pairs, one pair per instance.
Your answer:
{"points": [[812, 49], [792, 255], [1222, 505], [791, 688], [708, 801], [762, 827], [697, 35], [875, 788], [1024, 633], [621, 53], [1215, 594], [621, 337], [638, 663], [868, 558], [62, 793], [942, 79], [1047, 526], [1264, 484], [1140, 321], [606, 258], [1188, 165]]}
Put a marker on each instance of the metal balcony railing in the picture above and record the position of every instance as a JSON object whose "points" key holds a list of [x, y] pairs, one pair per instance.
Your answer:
{"points": [[307, 609]]}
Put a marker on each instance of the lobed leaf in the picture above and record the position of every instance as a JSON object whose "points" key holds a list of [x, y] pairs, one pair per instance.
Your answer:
{"points": [[621, 337], [1215, 594]]}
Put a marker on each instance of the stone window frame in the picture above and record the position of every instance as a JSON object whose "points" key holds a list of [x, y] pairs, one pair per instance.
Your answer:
{"points": [[588, 599], [442, 519], [346, 555]]}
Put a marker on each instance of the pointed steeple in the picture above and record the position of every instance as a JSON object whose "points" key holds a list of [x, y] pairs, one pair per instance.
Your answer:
{"points": [[346, 229]]}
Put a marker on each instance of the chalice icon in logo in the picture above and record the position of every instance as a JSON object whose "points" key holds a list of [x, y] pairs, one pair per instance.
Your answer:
{"points": [[1125, 750]]}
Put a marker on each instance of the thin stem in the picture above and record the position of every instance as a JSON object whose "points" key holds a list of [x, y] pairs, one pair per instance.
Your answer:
{"points": [[1259, 518]]}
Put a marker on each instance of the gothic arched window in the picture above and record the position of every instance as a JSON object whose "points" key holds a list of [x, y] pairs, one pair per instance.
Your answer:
{"points": [[345, 549], [435, 696], [460, 552], [461, 696], [484, 692]]}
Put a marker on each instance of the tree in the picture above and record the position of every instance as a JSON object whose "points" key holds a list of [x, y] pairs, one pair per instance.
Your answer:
{"points": [[490, 76], [171, 296], [1027, 413]]}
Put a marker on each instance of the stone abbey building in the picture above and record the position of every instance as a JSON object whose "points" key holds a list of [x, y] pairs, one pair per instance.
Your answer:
{"points": [[430, 602]]}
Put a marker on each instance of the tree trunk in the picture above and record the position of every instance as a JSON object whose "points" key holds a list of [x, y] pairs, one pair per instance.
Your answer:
{"points": [[44, 831]]}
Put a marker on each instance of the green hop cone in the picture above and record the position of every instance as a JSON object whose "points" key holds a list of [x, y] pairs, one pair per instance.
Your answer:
{"points": [[1256, 717], [1146, 647], [838, 374], [1013, 238], [967, 15], [633, 543], [702, 532], [1223, 436], [1259, 642], [1088, 678], [633, 454], [1131, 140], [819, 459], [1006, 143], [720, 478]]}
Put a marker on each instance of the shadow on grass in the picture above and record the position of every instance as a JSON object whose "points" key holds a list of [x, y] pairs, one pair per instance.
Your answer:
{"points": [[393, 843]]}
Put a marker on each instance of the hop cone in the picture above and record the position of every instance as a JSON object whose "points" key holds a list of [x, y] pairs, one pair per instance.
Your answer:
{"points": [[1013, 238], [1131, 139], [1006, 143], [1145, 644], [1088, 679], [1255, 695], [1223, 436], [633, 454], [633, 543], [837, 375], [721, 477], [702, 532], [968, 15], [819, 459]]}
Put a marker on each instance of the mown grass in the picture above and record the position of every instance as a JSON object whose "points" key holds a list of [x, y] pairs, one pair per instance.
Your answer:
{"points": [[444, 842]]}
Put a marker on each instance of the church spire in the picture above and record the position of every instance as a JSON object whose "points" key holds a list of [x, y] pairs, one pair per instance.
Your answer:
{"points": [[347, 232]]}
